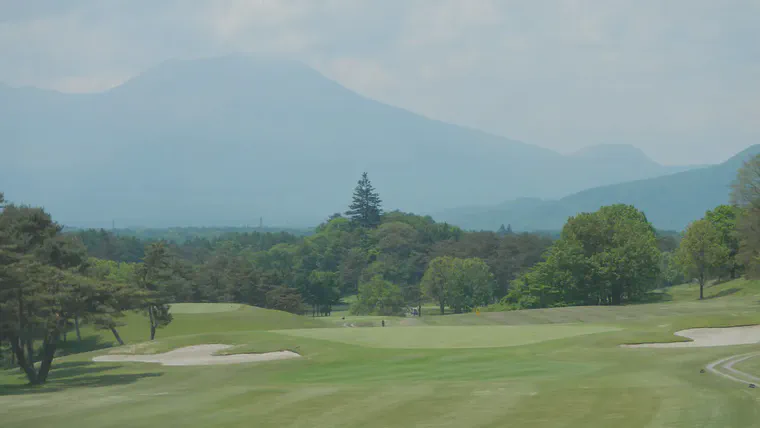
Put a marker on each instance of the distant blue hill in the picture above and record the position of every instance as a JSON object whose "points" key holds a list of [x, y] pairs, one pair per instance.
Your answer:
{"points": [[670, 202]]}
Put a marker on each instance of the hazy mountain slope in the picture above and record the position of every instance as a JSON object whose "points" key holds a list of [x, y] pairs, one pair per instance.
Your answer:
{"points": [[670, 201], [624, 162], [226, 140]]}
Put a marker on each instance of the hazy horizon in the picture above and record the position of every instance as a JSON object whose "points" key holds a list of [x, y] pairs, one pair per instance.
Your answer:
{"points": [[677, 80]]}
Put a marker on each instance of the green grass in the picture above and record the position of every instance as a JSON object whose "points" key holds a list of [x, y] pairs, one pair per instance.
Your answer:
{"points": [[520, 368], [449, 337], [193, 320], [203, 308], [750, 366]]}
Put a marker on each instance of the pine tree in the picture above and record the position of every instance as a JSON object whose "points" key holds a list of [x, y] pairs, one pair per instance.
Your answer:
{"points": [[153, 275], [365, 208], [41, 289]]}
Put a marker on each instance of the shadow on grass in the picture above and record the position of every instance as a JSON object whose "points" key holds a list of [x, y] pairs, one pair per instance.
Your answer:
{"points": [[655, 297], [76, 375], [77, 368], [87, 344], [722, 293]]}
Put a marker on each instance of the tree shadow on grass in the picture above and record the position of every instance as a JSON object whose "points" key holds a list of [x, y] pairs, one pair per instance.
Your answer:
{"points": [[655, 297], [76, 374], [77, 368], [87, 344], [722, 293]]}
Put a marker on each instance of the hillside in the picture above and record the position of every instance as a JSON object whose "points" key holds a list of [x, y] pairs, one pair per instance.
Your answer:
{"points": [[227, 140], [670, 202], [623, 161]]}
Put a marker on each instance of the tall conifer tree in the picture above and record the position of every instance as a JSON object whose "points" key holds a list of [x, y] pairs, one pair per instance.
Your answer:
{"points": [[365, 208]]}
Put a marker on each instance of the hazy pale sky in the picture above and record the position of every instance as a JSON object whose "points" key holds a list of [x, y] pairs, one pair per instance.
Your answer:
{"points": [[679, 79]]}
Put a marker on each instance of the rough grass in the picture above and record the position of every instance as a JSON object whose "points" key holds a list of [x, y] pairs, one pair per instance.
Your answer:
{"points": [[579, 381]]}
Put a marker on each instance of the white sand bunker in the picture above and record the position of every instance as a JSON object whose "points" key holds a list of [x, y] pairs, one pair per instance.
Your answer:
{"points": [[199, 355], [707, 337]]}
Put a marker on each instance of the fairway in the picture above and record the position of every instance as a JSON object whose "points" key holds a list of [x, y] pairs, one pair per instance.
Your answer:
{"points": [[520, 368], [449, 336]]}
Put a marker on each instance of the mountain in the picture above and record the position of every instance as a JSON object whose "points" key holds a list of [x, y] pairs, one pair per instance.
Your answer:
{"points": [[670, 202], [224, 141], [623, 161]]}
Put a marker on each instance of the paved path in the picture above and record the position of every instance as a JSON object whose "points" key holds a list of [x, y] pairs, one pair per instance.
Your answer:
{"points": [[725, 368]]}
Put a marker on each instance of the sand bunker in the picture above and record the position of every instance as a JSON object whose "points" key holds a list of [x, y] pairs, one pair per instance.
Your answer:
{"points": [[199, 355], [706, 337]]}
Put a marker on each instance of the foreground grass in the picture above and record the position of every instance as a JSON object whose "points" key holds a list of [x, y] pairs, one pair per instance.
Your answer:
{"points": [[375, 377]]}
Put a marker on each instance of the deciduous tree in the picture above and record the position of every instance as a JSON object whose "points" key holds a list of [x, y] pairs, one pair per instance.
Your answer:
{"points": [[724, 219], [701, 253], [606, 257], [745, 194], [378, 297]]}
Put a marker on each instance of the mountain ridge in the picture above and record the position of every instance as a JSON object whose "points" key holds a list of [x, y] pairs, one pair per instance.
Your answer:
{"points": [[223, 140], [670, 201]]}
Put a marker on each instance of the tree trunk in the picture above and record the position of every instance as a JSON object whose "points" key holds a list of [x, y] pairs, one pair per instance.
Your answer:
{"points": [[419, 310], [76, 326], [152, 323], [116, 335], [616, 300], [48, 352], [23, 363], [30, 350], [442, 308], [65, 333], [701, 288]]}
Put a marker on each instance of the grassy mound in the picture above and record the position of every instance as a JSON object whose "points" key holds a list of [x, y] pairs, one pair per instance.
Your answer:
{"points": [[203, 308], [450, 336], [725, 291], [204, 318]]}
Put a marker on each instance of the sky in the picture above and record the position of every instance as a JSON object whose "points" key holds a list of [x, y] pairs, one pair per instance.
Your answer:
{"points": [[679, 79]]}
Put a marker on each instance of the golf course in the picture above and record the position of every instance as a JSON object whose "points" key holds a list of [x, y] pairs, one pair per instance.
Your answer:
{"points": [[557, 367]]}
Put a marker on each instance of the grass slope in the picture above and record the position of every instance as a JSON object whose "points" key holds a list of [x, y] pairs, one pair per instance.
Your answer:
{"points": [[203, 308], [193, 319], [572, 381], [449, 337]]}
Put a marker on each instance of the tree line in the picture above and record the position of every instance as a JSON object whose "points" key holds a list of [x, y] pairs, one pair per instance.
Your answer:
{"points": [[52, 283], [614, 255], [348, 253]]}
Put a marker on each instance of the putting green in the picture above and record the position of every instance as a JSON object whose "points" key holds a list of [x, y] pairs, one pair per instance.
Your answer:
{"points": [[449, 336], [203, 308]]}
